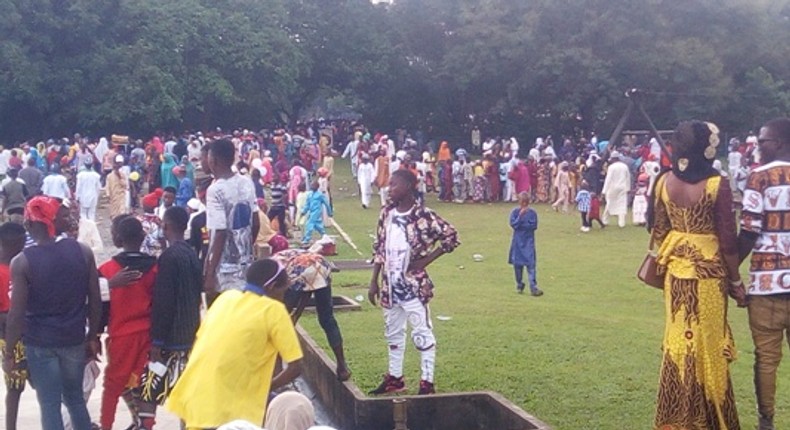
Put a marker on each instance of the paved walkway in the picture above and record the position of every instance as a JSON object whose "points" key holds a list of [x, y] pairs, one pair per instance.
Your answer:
{"points": [[29, 416], [29, 412]]}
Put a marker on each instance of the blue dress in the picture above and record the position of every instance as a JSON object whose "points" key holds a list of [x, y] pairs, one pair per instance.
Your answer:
{"points": [[522, 246], [185, 192]]}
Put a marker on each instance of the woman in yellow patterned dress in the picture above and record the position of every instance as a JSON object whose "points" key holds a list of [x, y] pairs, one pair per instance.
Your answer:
{"points": [[694, 230]]}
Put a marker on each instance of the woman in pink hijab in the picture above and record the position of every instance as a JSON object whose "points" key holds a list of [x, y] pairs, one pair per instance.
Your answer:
{"points": [[521, 176]]}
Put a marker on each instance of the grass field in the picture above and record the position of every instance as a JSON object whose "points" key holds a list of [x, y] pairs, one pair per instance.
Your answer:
{"points": [[584, 356]]}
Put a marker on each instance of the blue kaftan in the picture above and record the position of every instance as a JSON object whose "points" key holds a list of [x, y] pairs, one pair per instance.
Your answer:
{"points": [[522, 246]]}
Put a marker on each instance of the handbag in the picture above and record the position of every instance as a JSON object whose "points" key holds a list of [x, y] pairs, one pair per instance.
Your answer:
{"points": [[648, 270]]}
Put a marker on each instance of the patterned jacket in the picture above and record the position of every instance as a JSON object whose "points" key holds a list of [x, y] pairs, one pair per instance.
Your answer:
{"points": [[425, 230]]}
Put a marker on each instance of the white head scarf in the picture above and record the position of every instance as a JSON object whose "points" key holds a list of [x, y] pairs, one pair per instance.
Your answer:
{"points": [[592, 159], [239, 425], [717, 166], [488, 144], [514, 145], [101, 148], [290, 411]]}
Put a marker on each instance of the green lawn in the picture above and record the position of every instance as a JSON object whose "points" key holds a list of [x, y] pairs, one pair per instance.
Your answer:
{"points": [[584, 356]]}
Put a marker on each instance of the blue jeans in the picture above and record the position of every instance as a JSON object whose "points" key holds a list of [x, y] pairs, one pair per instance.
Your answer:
{"points": [[531, 272], [56, 374]]}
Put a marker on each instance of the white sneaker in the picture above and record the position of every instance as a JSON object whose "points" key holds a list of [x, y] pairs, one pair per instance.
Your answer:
{"points": [[585, 229]]}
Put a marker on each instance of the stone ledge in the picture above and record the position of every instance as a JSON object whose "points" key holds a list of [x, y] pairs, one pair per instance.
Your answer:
{"points": [[339, 304], [353, 410], [345, 265]]}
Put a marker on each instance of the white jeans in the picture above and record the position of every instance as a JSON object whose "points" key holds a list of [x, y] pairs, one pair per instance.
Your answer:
{"points": [[418, 316]]}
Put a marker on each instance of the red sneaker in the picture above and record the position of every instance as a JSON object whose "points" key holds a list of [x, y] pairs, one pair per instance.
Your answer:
{"points": [[390, 384], [426, 388]]}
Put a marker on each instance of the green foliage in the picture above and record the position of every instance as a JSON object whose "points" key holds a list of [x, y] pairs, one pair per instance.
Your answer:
{"points": [[516, 67]]}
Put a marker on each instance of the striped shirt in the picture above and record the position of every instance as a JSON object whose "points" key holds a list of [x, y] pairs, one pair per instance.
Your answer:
{"points": [[278, 193], [175, 310]]}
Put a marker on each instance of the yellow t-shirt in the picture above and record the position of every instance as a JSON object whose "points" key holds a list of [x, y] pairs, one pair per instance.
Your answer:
{"points": [[230, 367]]}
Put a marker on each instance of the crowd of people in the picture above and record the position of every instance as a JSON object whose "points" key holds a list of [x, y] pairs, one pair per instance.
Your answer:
{"points": [[208, 232], [152, 289], [221, 224]]}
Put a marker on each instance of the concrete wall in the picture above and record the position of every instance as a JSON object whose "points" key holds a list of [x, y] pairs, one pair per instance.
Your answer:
{"points": [[353, 410]]}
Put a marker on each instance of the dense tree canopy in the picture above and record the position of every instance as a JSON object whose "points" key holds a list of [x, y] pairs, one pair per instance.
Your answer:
{"points": [[521, 67]]}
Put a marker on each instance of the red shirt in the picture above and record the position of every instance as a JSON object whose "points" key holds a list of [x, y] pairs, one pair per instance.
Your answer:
{"points": [[5, 288], [595, 208], [130, 305]]}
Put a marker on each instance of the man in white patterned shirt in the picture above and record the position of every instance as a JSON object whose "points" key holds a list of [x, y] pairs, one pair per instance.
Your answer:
{"points": [[765, 232]]}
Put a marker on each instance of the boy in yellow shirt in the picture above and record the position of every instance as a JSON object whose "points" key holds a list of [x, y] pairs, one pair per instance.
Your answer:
{"points": [[226, 363]]}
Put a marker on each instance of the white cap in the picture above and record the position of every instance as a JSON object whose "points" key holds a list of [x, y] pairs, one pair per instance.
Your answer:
{"points": [[193, 204], [119, 158], [615, 154]]}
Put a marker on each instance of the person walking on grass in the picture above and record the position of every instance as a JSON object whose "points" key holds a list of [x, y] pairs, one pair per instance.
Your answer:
{"points": [[763, 228], [524, 222], [562, 183], [313, 211], [279, 202], [409, 237], [366, 174], [615, 189], [583, 198]]}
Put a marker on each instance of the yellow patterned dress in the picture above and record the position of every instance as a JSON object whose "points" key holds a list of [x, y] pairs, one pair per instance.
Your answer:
{"points": [[695, 390]]}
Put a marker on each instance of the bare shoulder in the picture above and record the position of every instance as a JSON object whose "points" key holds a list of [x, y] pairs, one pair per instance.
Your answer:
{"points": [[19, 262], [87, 252]]}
